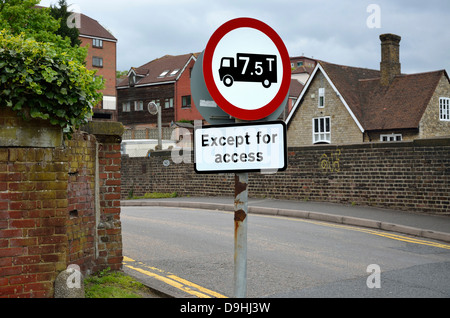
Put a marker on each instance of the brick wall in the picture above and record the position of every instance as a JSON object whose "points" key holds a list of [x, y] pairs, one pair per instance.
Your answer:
{"points": [[412, 176], [56, 210]]}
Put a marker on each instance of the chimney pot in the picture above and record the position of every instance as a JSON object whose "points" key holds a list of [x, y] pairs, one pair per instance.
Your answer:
{"points": [[390, 57]]}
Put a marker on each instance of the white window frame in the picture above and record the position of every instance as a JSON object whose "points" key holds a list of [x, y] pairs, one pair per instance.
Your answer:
{"points": [[321, 99], [138, 105], [97, 43], [168, 102], [322, 134], [97, 61], [126, 107], [391, 137], [444, 109]]}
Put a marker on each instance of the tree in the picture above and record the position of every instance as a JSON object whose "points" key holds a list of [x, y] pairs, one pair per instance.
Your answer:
{"points": [[41, 74], [65, 30]]}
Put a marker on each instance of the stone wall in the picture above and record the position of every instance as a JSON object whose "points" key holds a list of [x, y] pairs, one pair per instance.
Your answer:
{"points": [[413, 175], [59, 205], [343, 127]]}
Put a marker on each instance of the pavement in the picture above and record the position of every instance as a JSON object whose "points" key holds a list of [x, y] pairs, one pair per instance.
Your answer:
{"points": [[434, 227]]}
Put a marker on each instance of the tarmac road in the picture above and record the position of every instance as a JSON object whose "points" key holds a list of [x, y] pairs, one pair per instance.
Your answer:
{"points": [[402, 277]]}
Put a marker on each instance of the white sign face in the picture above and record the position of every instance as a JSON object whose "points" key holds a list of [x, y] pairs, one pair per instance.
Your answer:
{"points": [[246, 68], [239, 71], [244, 147]]}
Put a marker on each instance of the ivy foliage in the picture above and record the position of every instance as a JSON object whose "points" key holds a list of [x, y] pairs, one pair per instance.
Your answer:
{"points": [[41, 74]]}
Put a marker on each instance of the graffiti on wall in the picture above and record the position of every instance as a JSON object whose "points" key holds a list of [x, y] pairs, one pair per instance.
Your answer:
{"points": [[330, 163]]}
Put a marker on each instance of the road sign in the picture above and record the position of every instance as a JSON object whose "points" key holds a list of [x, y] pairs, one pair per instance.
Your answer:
{"points": [[206, 105], [203, 101], [246, 69], [243, 147]]}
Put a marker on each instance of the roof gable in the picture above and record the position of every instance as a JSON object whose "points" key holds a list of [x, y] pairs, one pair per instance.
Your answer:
{"points": [[400, 105], [347, 92]]}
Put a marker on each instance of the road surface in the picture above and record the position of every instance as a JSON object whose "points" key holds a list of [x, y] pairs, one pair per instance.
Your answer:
{"points": [[190, 251]]}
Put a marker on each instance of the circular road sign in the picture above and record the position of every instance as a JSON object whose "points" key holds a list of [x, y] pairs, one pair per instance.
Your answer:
{"points": [[246, 68]]}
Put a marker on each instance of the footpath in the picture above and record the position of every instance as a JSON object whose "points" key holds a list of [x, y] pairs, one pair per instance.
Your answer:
{"points": [[434, 227]]}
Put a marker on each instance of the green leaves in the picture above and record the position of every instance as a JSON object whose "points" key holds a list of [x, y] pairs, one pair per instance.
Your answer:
{"points": [[50, 83]]}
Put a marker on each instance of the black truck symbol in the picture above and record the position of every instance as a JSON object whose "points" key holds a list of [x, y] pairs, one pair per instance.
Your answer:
{"points": [[249, 68]]}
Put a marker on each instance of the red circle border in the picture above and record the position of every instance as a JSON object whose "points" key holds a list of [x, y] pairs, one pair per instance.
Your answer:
{"points": [[232, 110]]}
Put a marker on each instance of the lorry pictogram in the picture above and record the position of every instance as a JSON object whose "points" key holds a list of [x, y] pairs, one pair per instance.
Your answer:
{"points": [[249, 68]]}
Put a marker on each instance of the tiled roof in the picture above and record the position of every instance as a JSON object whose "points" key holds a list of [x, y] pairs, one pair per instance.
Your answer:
{"points": [[296, 88], [91, 27], [397, 106], [160, 70]]}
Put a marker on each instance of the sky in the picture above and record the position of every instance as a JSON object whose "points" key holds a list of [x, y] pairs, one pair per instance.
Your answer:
{"points": [[344, 32]]}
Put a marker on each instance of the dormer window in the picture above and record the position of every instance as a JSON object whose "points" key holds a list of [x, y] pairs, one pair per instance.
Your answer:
{"points": [[132, 79]]}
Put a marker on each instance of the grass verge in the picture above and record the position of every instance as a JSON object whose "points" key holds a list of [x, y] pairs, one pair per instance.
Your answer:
{"points": [[113, 284], [153, 195]]}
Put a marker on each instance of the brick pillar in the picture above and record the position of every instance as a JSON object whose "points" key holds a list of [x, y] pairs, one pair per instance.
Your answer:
{"points": [[109, 231]]}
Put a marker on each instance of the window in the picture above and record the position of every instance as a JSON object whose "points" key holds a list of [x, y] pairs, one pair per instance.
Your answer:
{"points": [[321, 97], [444, 108], [97, 43], [186, 101], [163, 73], [174, 72], [321, 130], [391, 137], [126, 107], [97, 61], [168, 103], [138, 105]]}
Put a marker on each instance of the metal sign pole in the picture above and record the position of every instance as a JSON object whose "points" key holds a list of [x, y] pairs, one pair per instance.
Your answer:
{"points": [[240, 234], [159, 128]]}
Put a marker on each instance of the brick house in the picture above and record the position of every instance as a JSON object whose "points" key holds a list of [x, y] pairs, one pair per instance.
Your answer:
{"points": [[342, 104], [302, 67], [165, 81], [101, 57]]}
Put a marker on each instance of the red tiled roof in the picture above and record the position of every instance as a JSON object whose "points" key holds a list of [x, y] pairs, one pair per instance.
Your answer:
{"points": [[397, 106], [296, 88], [152, 70], [91, 27]]}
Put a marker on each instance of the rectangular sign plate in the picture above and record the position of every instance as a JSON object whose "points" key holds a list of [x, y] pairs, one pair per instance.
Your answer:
{"points": [[241, 147]]}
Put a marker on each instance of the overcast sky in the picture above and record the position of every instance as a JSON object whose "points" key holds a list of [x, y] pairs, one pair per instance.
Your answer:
{"points": [[343, 32]]}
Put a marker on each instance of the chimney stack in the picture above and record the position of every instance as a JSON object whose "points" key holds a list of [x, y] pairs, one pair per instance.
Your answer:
{"points": [[390, 57]]}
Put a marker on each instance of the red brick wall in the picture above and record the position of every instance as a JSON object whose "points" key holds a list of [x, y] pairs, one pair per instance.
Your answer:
{"points": [[183, 88], [108, 71], [48, 213]]}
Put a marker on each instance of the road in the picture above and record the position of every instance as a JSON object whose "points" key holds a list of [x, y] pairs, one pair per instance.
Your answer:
{"points": [[191, 251]]}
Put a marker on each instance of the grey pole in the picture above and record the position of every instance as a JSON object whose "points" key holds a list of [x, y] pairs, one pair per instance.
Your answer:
{"points": [[159, 128], [240, 234]]}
